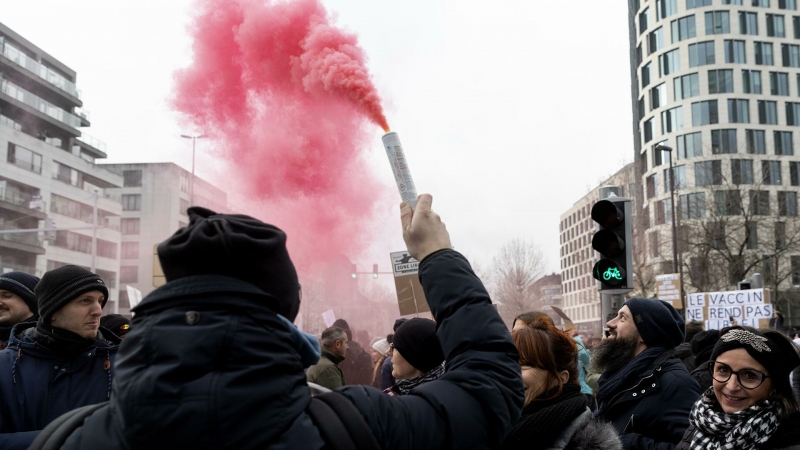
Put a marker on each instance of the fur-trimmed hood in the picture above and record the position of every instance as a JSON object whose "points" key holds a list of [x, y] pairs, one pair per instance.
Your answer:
{"points": [[587, 433]]}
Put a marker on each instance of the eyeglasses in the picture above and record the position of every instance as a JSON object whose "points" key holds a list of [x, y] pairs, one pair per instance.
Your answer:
{"points": [[748, 378]]}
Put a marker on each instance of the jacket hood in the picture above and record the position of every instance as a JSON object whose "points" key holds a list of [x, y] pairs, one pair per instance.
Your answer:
{"points": [[206, 355]]}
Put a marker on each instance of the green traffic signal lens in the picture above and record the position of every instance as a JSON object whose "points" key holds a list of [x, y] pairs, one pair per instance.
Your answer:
{"points": [[608, 272]]}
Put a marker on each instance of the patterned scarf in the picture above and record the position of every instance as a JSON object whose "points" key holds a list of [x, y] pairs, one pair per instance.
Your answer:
{"points": [[749, 428], [403, 387]]}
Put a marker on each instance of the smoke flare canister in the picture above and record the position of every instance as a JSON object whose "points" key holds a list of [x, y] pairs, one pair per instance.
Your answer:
{"points": [[402, 175]]}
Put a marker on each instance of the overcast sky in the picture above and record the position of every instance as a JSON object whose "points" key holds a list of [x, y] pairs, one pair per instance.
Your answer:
{"points": [[509, 111]]}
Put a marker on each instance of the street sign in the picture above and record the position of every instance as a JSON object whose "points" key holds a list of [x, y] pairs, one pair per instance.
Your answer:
{"points": [[668, 289], [410, 297]]}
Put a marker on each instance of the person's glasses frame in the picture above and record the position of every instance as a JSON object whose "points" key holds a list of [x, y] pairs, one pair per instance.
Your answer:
{"points": [[731, 372]]}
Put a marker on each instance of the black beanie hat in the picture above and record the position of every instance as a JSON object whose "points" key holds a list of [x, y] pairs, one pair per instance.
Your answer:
{"points": [[60, 286], [22, 284], [398, 322], [416, 340], [770, 348], [658, 323], [237, 246], [702, 345], [119, 325], [341, 323]]}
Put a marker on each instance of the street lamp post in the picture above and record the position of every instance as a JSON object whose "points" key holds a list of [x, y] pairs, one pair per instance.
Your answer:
{"points": [[194, 141], [664, 148]]}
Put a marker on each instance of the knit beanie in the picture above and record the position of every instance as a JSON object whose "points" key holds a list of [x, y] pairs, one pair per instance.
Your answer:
{"points": [[22, 284], [381, 346], [398, 322], [237, 246], [658, 323], [770, 348], [341, 323], [416, 340], [119, 325], [702, 345], [60, 286]]}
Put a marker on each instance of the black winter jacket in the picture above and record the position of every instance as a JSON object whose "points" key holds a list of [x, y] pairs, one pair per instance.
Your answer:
{"points": [[787, 436], [234, 379], [653, 413]]}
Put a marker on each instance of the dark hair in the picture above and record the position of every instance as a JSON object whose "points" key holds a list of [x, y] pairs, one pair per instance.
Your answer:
{"points": [[543, 346], [692, 328], [530, 317]]}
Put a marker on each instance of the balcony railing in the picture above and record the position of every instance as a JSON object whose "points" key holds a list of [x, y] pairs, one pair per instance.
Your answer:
{"points": [[27, 165], [94, 142], [22, 238], [21, 199], [24, 61], [37, 102]]}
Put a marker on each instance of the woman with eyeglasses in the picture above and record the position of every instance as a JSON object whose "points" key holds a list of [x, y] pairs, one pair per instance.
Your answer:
{"points": [[750, 404], [556, 415]]}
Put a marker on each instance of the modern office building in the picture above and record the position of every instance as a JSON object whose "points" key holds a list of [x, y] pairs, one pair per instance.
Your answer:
{"points": [[48, 170], [547, 292], [580, 298], [718, 82], [155, 197]]}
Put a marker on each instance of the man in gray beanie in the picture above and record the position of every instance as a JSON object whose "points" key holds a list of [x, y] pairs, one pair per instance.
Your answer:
{"points": [[62, 361], [644, 390]]}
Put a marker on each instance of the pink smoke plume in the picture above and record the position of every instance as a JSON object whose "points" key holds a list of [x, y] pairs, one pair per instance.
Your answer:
{"points": [[285, 95]]}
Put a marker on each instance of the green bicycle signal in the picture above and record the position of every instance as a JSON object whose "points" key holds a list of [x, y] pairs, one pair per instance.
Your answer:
{"points": [[612, 273], [608, 272]]}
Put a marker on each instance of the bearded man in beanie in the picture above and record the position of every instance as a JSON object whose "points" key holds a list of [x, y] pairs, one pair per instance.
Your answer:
{"points": [[644, 391], [417, 356], [213, 359], [60, 362], [17, 302]]}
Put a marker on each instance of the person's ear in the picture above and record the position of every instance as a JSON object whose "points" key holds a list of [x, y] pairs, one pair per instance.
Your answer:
{"points": [[564, 376]]}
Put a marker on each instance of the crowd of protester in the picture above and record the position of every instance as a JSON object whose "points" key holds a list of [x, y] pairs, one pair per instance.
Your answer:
{"points": [[213, 360]]}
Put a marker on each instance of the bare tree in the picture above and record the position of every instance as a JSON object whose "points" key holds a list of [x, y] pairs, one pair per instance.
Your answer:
{"points": [[512, 273]]}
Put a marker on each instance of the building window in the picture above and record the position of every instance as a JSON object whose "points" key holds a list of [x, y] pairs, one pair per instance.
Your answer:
{"points": [[723, 141], [751, 230], [775, 26], [787, 203], [648, 130], [644, 20], [658, 96], [732, 2], [184, 183], [701, 53], [734, 51], [795, 261], [794, 173], [693, 206], [796, 26], [640, 108], [787, 4], [80, 243], [718, 22], [790, 55], [779, 83], [683, 28], [707, 173], [728, 203], [767, 112], [690, 145], [132, 178], [751, 81], [761, 3], [688, 86], [792, 113], [130, 226], [759, 203], [658, 155], [654, 244], [652, 185], [741, 171], [131, 202], [748, 23], [130, 250], [645, 75], [756, 143], [680, 178], [184, 205], [655, 41], [771, 172], [66, 174], [763, 53], [24, 158], [738, 111], [128, 274], [670, 62], [672, 120], [697, 3], [663, 212], [719, 81], [783, 143], [704, 113]]}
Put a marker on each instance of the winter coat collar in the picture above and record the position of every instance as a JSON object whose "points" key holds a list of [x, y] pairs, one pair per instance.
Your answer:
{"points": [[201, 288], [22, 339], [647, 381], [334, 357]]}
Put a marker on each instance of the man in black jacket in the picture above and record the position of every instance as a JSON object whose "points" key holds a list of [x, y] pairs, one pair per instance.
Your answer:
{"points": [[644, 391], [213, 361]]}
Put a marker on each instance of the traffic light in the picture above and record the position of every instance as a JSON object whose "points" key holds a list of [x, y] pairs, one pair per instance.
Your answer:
{"points": [[612, 241], [354, 272], [374, 271]]}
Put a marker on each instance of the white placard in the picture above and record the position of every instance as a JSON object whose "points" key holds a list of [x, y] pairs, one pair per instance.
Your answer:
{"points": [[734, 298], [758, 311], [329, 317], [695, 313], [696, 299]]}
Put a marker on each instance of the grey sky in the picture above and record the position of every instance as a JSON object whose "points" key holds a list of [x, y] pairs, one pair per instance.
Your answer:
{"points": [[509, 111]]}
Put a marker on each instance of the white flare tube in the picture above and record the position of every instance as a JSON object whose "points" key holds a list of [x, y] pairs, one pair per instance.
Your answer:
{"points": [[402, 175]]}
